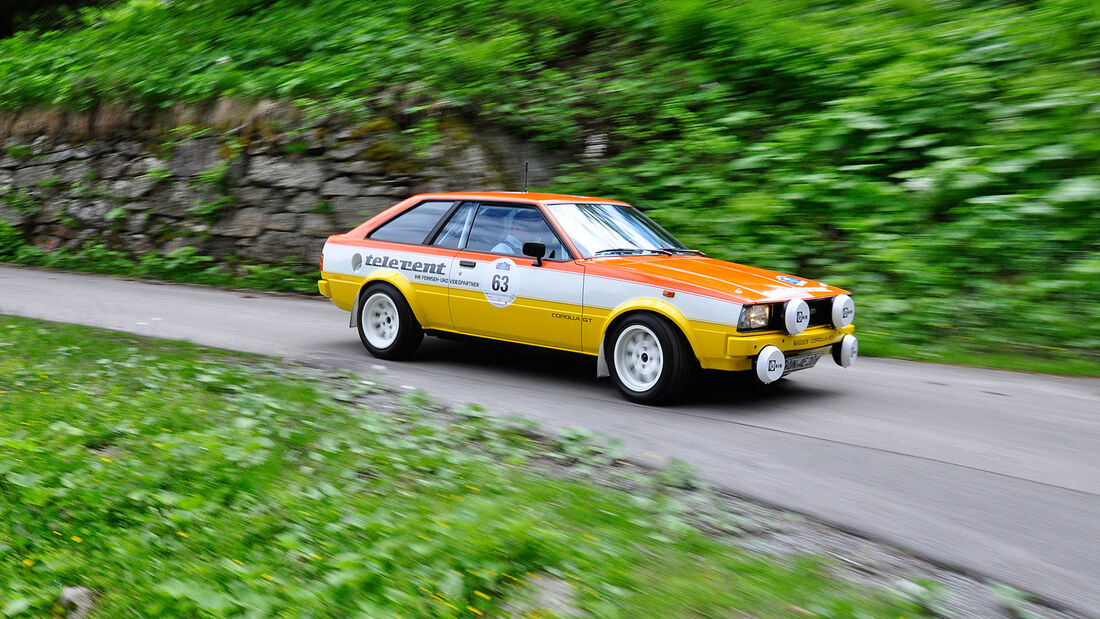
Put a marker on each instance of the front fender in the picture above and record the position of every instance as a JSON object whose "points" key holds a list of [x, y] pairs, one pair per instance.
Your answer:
{"points": [[656, 306]]}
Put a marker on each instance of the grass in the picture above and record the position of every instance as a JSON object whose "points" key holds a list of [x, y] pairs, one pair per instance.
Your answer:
{"points": [[184, 265], [191, 482], [957, 351]]}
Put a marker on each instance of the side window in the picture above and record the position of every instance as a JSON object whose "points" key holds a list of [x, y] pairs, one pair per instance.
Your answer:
{"points": [[451, 236], [412, 226], [500, 229]]}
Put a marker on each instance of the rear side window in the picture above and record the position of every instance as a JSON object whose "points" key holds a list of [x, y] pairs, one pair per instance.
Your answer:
{"points": [[414, 225], [452, 235]]}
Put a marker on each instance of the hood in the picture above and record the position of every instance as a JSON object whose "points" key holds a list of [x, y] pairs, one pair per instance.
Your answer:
{"points": [[738, 282]]}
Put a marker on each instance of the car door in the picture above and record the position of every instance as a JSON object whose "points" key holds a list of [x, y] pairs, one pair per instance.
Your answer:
{"points": [[498, 292]]}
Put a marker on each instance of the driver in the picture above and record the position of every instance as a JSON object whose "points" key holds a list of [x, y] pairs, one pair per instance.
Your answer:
{"points": [[526, 227]]}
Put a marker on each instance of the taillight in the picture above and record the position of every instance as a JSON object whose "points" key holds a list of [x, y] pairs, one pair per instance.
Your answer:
{"points": [[322, 261]]}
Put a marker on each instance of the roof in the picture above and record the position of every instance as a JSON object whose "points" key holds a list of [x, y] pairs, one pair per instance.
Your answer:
{"points": [[520, 195]]}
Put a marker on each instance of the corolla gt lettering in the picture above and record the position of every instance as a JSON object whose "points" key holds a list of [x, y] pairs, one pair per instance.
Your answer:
{"points": [[569, 317]]}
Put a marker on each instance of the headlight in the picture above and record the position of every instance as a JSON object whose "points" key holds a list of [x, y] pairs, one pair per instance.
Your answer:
{"points": [[754, 317]]}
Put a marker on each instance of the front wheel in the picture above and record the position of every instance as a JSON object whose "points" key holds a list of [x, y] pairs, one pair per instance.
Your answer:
{"points": [[387, 326], [650, 361]]}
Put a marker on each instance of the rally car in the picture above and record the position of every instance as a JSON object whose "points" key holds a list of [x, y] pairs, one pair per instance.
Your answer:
{"points": [[579, 274]]}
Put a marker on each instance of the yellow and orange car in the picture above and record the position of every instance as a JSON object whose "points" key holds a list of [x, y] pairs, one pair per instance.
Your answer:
{"points": [[579, 274]]}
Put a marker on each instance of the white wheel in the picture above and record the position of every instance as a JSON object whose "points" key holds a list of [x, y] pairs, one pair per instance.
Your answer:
{"points": [[639, 358], [380, 320]]}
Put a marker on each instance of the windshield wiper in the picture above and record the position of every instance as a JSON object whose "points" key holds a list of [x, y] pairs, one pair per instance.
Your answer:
{"points": [[630, 251], [682, 250]]}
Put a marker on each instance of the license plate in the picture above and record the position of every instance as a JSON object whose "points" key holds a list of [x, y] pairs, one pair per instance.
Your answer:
{"points": [[801, 362]]}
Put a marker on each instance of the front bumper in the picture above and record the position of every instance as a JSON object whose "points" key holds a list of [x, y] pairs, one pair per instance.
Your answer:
{"points": [[814, 337], [740, 350]]}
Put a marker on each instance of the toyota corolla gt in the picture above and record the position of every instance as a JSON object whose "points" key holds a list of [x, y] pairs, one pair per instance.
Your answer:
{"points": [[579, 274]]}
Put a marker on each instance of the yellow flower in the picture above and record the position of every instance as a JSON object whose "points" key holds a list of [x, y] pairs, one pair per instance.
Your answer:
{"points": [[474, 610], [182, 534], [476, 592], [315, 556], [105, 459], [28, 562], [77, 539], [57, 532], [267, 576]]}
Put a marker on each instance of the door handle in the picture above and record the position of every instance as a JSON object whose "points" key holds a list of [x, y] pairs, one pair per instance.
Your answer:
{"points": [[469, 264]]}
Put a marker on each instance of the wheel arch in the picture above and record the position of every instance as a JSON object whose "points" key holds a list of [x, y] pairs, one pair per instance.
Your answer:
{"points": [[656, 307], [395, 279]]}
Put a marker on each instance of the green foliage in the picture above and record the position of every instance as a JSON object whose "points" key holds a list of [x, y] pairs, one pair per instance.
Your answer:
{"points": [[211, 210], [22, 202], [939, 159], [11, 239], [158, 174], [184, 265], [189, 482], [19, 151], [216, 176], [295, 148], [928, 595]]}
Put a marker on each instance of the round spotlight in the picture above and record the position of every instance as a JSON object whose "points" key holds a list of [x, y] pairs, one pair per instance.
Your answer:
{"points": [[770, 364], [796, 316], [844, 311]]}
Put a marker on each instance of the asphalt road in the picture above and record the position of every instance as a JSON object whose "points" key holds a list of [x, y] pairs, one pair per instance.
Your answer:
{"points": [[996, 473]]}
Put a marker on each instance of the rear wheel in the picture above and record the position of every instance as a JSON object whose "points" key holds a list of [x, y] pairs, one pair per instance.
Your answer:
{"points": [[387, 326], [650, 361]]}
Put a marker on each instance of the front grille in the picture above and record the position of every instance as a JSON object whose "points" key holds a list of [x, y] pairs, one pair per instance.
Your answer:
{"points": [[821, 311]]}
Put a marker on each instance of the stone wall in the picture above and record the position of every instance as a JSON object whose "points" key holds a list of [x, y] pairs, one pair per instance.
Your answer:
{"points": [[254, 180]]}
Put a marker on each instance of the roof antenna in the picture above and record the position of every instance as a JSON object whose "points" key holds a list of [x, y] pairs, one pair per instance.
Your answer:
{"points": [[525, 164]]}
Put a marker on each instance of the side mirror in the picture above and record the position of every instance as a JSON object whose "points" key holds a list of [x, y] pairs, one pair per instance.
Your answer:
{"points": [[536, 251]]}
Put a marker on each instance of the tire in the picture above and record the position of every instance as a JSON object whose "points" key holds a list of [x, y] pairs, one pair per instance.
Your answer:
{"points": [[387, 326], [649, 359]]}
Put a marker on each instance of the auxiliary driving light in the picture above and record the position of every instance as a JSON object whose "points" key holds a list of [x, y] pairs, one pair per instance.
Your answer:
{"points": [[770, 364]]}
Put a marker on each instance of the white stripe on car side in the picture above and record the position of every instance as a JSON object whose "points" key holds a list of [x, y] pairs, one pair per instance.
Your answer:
{"points": [[609, 293], [532, 282]]}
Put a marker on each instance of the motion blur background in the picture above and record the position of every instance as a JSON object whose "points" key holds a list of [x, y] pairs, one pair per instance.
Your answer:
{"points": [[939, 158]]}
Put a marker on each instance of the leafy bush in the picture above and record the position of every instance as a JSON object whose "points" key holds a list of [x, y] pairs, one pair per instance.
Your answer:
{"points": [[11, 239], [940, 159]]}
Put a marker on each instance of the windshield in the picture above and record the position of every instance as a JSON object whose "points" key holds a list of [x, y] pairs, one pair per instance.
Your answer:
{"points": [[604, 229]]}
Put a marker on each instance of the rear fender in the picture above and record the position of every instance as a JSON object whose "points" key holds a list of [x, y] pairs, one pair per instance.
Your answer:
{"points": [[394, 279]]}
